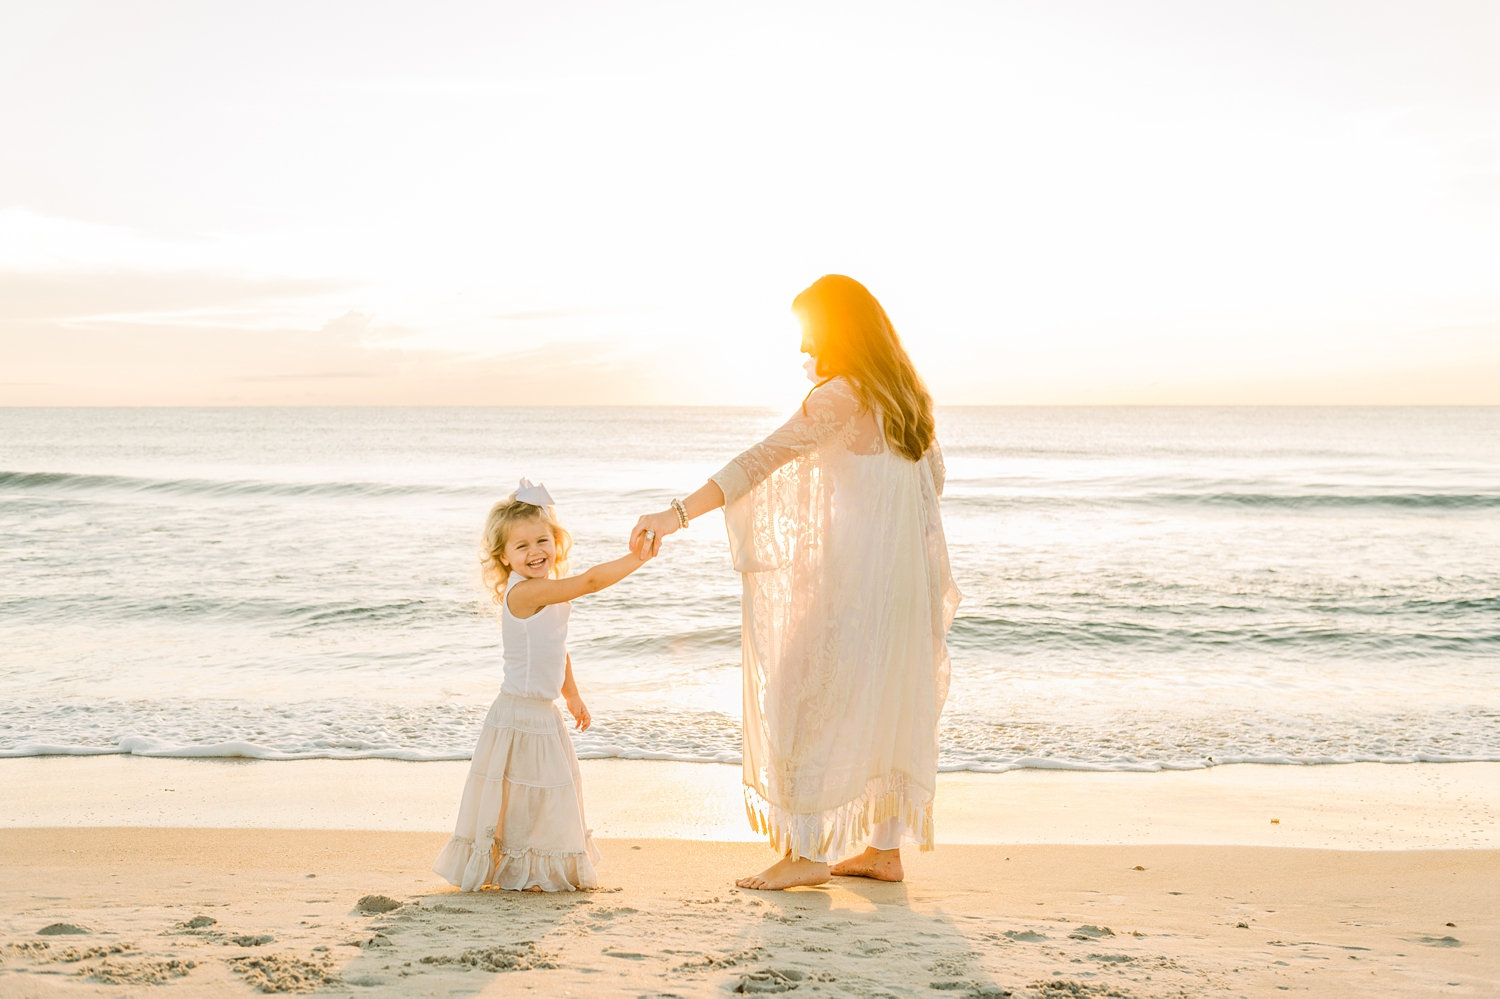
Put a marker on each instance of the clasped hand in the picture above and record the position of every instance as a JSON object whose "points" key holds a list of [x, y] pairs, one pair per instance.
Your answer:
{"points": [[646, 537]]}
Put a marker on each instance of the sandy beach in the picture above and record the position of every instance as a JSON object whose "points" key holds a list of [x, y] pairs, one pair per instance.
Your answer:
{"points": [[127, 876], [1060, 433]]}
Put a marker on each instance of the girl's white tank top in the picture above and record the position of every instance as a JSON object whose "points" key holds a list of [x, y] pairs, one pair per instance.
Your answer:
{"points": [[536, 649]]}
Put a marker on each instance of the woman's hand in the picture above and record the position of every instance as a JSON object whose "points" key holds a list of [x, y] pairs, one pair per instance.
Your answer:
{"points": [[581, 717], [647, 535]]}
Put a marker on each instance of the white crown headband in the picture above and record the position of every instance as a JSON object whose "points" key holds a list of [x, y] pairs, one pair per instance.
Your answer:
{"points": [[536, 495]]}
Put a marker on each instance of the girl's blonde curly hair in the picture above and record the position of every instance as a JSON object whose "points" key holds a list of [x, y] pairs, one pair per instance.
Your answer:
{"points": [[502, 518]]}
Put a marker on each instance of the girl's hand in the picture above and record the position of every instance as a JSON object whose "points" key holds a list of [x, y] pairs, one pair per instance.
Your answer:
{"points": [[581, 717], [658, 526]]}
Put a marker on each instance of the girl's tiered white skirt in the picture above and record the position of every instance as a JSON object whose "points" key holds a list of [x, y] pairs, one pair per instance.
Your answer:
{"points": [[520, 823]]}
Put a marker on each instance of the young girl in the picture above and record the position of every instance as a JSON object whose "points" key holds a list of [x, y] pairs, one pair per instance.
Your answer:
{"points": [[520, 823]]}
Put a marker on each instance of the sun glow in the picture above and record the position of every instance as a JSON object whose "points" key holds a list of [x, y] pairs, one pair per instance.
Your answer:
{"points": [[1163, 203]]}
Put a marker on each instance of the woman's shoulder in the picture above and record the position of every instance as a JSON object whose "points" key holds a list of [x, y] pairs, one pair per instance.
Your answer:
{"points": [[832, 402], [836, 391]]}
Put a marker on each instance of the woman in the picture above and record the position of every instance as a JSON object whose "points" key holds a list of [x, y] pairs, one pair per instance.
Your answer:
{"points": [[833, 522]]}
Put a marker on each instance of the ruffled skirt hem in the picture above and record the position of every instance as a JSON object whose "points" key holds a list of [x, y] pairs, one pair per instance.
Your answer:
{"points": [[470, 868], [520, 821]]}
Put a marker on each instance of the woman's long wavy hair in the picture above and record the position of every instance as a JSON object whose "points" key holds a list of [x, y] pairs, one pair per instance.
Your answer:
{"points": [[853, 337], [502, 518]]}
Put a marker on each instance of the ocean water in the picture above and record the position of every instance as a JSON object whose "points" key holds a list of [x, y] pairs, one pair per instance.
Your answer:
{"points": [[1143, 588]]}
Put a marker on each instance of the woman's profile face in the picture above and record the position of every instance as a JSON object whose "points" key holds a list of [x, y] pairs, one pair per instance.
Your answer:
{"points": [[808, 346]]}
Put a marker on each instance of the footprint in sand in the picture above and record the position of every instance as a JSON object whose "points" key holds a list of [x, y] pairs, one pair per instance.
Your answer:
{"points": [[72, 955], [115, 972], [952, 966], [1063, 988], [522, 956], [197, 923], [1024, 936], [284, 972], [375, 904], [110, 963], [706, 961], [252, 940], [610, 912], [62, 929], [770, 980], [30, 948]]}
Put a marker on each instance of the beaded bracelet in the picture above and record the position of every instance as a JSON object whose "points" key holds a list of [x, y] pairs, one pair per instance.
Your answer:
{"points": [[682, 517]]}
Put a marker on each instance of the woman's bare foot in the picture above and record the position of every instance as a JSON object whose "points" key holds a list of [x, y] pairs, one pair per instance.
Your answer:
{"points": [[787, 873], [882, 865]]}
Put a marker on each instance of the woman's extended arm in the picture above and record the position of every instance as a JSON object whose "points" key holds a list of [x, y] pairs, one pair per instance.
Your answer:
{"points": [[702, 500], [827, 411]]}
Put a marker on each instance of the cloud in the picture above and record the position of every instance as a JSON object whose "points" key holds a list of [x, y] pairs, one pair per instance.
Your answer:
{"points": [[71, 271], [549, 314], [31, 241], [78, 295], [311, 376], [361, 329], [124, 364]]}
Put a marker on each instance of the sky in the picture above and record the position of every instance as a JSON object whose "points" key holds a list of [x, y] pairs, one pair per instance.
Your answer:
{"points": [[331, 202]]}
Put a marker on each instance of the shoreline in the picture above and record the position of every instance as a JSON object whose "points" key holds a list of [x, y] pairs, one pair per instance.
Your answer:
{"points": [[1354, 806]]}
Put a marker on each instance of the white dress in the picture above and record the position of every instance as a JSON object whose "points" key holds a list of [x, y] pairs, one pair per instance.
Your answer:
{"points": [[520, 821], [847, 603]]}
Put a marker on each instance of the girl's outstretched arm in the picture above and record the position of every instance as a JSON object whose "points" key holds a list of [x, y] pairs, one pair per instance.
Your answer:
{"points": [[531, 595], [581, 717]]}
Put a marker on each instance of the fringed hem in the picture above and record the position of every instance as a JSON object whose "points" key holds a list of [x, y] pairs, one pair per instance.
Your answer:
{"points": [[470, 868], [834, 831]]}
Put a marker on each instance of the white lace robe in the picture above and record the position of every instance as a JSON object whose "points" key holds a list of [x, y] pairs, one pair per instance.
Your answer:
{"points": [[848, 599]]}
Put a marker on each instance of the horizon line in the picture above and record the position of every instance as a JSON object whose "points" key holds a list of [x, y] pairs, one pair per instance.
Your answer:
{"points": [[671, 405]]}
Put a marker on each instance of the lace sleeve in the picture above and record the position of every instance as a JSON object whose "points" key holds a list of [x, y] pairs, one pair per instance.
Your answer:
{"points": [[826, 413], [939, 470]]}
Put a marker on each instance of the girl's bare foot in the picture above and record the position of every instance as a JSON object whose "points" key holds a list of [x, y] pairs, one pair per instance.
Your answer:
{"points": [[882, 865], [787, 873]]}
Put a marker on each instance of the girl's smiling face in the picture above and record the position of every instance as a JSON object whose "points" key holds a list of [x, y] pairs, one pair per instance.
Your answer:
{"points": [[530, 549]]}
